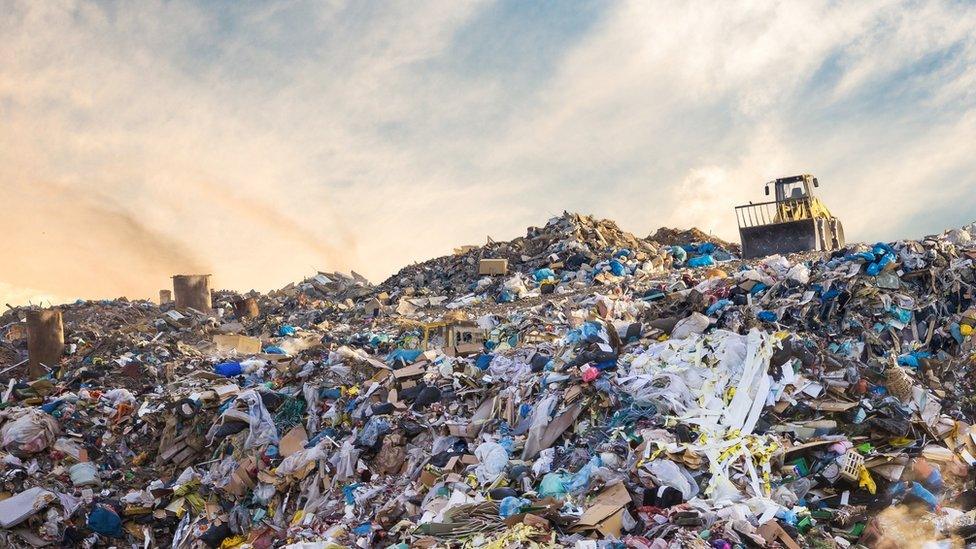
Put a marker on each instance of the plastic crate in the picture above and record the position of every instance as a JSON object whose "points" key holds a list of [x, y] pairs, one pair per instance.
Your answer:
{"points": [[850, 465]]}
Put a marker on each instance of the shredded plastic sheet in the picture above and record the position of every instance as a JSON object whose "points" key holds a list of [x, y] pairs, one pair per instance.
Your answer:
{"points": [[719, 383]]}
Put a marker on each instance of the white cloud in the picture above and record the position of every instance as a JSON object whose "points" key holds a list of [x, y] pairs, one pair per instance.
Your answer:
{"points": [[261, 144]]}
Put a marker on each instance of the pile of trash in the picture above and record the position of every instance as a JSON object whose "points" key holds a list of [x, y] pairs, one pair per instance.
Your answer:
{"points": [[581, 388], [571, 244], [678, 237]]}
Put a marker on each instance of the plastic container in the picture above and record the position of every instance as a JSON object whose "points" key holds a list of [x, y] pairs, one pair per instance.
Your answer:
{"points": [[850, 465]]}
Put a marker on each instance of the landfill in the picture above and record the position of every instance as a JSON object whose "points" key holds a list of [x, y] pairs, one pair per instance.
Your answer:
{"points": [[575, 387]]}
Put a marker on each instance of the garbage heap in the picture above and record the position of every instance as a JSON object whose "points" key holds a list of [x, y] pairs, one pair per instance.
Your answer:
{"points": [[601, 391]]}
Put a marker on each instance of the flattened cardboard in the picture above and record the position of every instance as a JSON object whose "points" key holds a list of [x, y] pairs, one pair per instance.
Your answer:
{"points": [[771, 531], [605, 514], [242, 344], [293, 441], [416, 369]]}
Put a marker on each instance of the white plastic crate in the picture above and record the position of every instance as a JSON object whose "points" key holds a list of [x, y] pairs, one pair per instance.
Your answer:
{"points": [[850, 465]]}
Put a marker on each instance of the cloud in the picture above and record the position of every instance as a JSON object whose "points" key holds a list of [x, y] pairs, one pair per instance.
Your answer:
{"points": [[261, 144]]}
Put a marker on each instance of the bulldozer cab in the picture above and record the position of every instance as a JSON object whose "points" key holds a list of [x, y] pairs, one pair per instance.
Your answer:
{"points": [[795, 199], [793, 188], [796, 221]]}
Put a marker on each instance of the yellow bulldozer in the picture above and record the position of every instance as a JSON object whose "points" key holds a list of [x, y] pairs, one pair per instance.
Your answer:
{"points": [[796, 221]]}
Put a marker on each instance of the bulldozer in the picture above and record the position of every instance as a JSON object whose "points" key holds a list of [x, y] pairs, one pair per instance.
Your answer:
{"points": [[796, 221]]}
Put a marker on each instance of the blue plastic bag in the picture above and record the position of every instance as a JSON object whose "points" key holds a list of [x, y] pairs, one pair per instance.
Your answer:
{"points": [[511, 506], [717, 306], [767, 316], [911, 359], [617, 268], [875, 268], [553, 484], [483, 361], [104, 520], [581, 478], [544, 274], [920, 492], [701, 261], [407, 356], [229, 369]]}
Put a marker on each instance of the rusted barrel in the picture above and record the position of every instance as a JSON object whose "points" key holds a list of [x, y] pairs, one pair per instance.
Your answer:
{"points": [[246, 307], [192, 291], [165, 296], [45, 340]]}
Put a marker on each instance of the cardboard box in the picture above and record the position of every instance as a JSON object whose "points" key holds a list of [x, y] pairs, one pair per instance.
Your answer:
{"points": [[606, 513], [493, 267], [242, 344]]}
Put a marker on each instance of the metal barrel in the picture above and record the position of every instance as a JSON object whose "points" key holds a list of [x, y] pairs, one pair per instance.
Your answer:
{"points": [[246, 307], [192, 291], [45, 341]]}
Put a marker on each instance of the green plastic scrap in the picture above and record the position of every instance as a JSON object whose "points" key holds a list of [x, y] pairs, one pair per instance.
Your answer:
{"points": [[289, 414]]}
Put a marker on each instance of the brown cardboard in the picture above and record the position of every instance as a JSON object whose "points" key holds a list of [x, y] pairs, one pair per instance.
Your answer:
{"points": [[771, 531], [414, 370], [605, 514], [427, 478], [242, 344], [241, 480], [293, 441], [492, 266]]}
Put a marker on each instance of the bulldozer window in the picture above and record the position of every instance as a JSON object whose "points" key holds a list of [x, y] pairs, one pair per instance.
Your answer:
{"points": [[791, 191]]}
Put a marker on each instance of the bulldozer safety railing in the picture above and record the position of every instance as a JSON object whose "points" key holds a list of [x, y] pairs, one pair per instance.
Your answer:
{"points": [[770, 213]]}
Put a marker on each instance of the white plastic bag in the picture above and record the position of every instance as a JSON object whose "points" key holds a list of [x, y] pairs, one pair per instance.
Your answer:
{"points": [[31, 432], [262, 428]]}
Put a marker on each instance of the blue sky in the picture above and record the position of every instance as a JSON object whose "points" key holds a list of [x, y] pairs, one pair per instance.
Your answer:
{"points": [[263, 141]]}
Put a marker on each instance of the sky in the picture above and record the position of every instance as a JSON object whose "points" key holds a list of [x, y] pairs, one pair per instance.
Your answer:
{"points": [[264, 141]]}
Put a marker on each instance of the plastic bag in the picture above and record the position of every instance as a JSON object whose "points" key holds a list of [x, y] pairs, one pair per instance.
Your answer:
{"points": [[667, 473], [262, 428], [83, 474], [701, 261], [680, 255], [104, 520], [228, 369], [799, 273], [581, 479], [372, 432], [493, 458], [263, 493], [32, 432], [301, 458], [119, 396], [511, 506], [544, 274], [543, 464], [553, 484], [696, 323]]}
